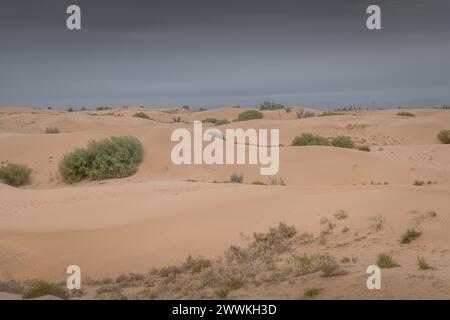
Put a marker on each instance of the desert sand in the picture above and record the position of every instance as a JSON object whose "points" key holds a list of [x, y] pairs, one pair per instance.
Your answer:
{"points": [[165, 212]]}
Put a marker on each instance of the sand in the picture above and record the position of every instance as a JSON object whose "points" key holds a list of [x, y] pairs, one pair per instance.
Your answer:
{"points": [[165, 212]]}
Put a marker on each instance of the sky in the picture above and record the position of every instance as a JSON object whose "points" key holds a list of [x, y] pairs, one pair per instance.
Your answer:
{"points": [[316, 53]]}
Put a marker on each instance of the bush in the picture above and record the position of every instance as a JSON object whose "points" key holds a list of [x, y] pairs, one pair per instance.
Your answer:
{"points": [[308, 139], [410, 235], [419, 183], [15, 175], [444, 136], [42, 288], [269, 105], [51, 130], [364, 148], [423, 264], [340, 214], [177, 119], [330, 113], [186, 107], [386, 261], [250, 115], [406, 114], [115, 157], [142, 115], [342, 142], [305, 114], [215, 121], [311, 293], [237, 178]]}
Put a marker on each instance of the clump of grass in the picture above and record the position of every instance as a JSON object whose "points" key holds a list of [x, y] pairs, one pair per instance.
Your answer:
{"points": [[345, 260], [419, 183], [378, 224], [330, 113], [311, 293], [432, 214], [115, 157], [406, 114], [330, 268], [215, 121], [51, 130], [363, 148], [195, 265], [269, 105], [177, 119], [345, 229], [274, 240], [222, 293], [15, 175], [340, 214], [249, 115], [308, 139], [386, 261], [259, 183], [42, 288], [342, 142], [444, 136], [409, 236], [304, 114], [423, 264], [142, 115], [276, 181], [237, 178]]}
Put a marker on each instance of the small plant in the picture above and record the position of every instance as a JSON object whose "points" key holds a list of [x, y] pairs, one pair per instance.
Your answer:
{"points": [[410, 235], [249, 115], [259, 183], [42, 288], [276, 181], [378, 224], [340, 214], [308, 139], [269, 105], [51, 130], [419, 183], [304, 114], [186, 107], [423, 264], [342, 142], [406, 114], [312, 293], [444, 136], [386, 261], [15, 175], [142, 115], [222, 293], [215, 121], [345, 260], [330, 113], [364, 148], [177, 119], [237, 178], [345, 229], [70, 110]]}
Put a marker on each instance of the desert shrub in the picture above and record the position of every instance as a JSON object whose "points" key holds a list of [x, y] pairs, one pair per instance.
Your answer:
{"points": [[103, 108], [215, 121], [186, 107], [330, 113], [419, 183], [177, 119], [141, 114], [114, 157], [444, 136], [249, 115], [269, 105], [423, 264], [237, 177], [276, 181], [311, 293], [42, 288], [386, 261], [70, 110], [304, 114], [331, 268], [340, 214], [259, 183], [195, 265], [342, 142], [308, 139], [378, 224], [364, 148], [201, 109], [51, 130], [410, 235], [406, 114], [15, 175], [274, 240]]}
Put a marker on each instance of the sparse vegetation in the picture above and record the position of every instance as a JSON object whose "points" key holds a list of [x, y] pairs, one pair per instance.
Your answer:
{"points": [[342, 142], [276, 181], [409, 236], [177, 119], [249, 115], [419, 183], [51, 130], [215, 121], [330, 113], [114, 157], [378, 224], [237, 178], [15, 175], [304, 114], [406, 114], [444, 136], [42, 288], [363, 148], [386, 261], [340, 214], [311, 293], [308, 139], [186, 107], [142, 115], [269, 105], [423, 264], [259, 183]]}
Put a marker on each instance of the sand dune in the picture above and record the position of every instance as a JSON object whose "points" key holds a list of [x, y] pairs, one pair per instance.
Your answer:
{"points": [[165, 212]]}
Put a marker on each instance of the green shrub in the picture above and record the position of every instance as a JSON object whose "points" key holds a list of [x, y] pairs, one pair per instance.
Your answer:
{"points": [[311, 293], [342, 142], [364, 148], [186, 107], [406, 114], [305, 114], [114, 157], [237, 178], [330, 113], [250, 115], [51, 130], [410, 235], [423, 264], [259, 183], [142, 115], [15, 175], [386, 261], [308, 139], [215, 121], [269, 105], [444, 136], [42, 288]]}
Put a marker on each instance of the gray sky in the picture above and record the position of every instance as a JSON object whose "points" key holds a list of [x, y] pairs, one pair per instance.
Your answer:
{"points": [[216, 53]]}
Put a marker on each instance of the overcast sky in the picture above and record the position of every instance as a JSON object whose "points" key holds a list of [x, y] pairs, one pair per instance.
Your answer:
{"points": [[217, 53]]}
